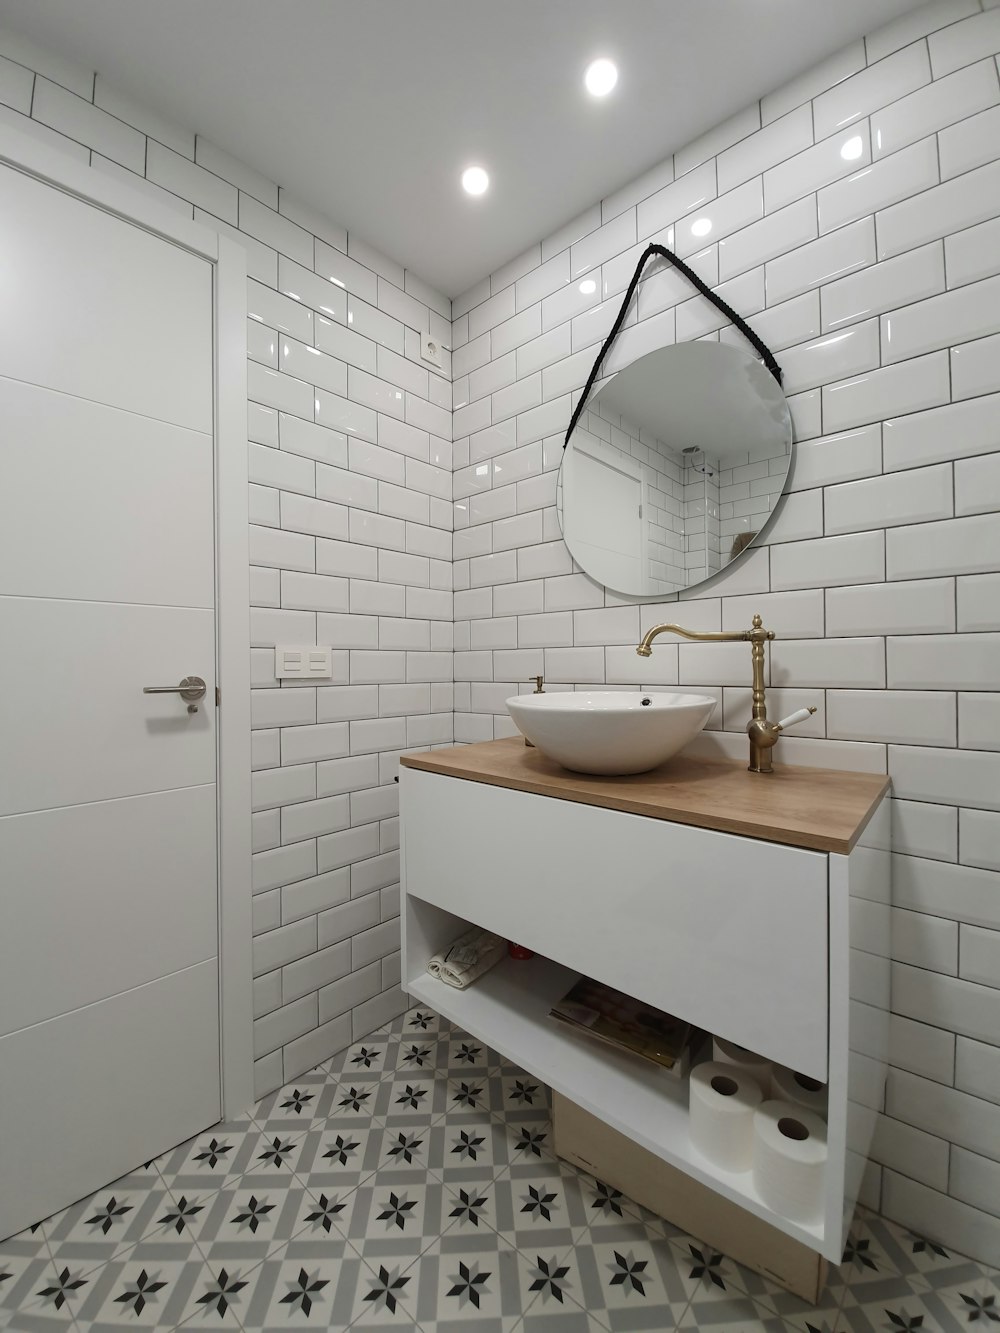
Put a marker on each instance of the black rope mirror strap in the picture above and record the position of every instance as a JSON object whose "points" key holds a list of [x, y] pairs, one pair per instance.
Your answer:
{"points": [[692, 277]]}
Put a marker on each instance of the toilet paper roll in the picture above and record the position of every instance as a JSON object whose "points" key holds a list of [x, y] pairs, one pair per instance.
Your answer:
{"points": [[789, 1160], [787, 1086], [722, 1101], [728, 1052]]}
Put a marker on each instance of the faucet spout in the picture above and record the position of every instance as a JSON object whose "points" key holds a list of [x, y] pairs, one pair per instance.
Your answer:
{"points": [[728, 636], [762, 733]]}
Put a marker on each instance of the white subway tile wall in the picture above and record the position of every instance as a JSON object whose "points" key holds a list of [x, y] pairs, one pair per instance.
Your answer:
{"points": [[888, 544], [350, 531], [869, 272]]}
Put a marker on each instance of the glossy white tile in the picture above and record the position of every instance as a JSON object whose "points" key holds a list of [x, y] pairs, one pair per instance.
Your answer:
{"points": [[872, 88], [821, 262], [882, 502], [61, 110], [674, 201], [975, 367], [912, 276], [179, 175], [827, 74], [916, 23], [828, 561], [979, 840], [979, 721], [922, 829], [963, 661], [911, 385], [977, 484], [953, 431], [908, 717], [719, 218], [953, 317], [835, 458], [978, 602], [922, 606], [948, 207], [934, 107], [973, 254], [883, 183], [808, 171], [778, 233], [964, 42], [832, 357]]}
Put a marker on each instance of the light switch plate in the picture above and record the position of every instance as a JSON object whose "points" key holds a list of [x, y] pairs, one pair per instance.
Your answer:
{"points": [[304, 662]]}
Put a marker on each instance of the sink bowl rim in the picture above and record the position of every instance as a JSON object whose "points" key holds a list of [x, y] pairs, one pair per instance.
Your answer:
{"points": [[610, 702]]}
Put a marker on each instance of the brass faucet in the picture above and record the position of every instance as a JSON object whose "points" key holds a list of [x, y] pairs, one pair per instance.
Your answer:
{"points": [[763, 734]]}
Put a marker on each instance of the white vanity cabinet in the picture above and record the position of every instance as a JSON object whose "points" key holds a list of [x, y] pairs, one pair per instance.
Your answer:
{"points": [[776, 940]]}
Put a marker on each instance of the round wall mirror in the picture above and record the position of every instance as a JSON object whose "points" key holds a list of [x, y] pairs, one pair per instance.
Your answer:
{"points": [[674, 468]]}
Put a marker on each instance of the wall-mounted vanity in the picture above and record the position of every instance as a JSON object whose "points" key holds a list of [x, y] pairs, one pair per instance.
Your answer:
{"points": [[757, 908]]}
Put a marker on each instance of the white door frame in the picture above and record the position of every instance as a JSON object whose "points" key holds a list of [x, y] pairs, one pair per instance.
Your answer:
{"points": [[228, 260]]}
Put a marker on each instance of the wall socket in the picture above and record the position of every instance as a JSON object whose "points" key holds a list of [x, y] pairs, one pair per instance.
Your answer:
{"points": [[431, 350], [303, 663]]}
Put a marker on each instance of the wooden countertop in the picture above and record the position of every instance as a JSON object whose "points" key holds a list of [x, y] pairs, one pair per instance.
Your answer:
{"points": [[819, 808]]}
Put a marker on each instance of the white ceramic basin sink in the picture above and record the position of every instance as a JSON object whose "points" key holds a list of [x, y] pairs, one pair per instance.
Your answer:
{"points": [[610, 731]]}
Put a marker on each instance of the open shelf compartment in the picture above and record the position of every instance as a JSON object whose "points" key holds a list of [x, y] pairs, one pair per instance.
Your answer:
{"points": [[508, 1009]]}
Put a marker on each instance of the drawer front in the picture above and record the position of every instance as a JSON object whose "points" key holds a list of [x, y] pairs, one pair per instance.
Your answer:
{"points": [[728, 932]]}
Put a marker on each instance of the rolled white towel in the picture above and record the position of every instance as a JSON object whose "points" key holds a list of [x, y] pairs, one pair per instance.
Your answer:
{"points": [[467, 958]]}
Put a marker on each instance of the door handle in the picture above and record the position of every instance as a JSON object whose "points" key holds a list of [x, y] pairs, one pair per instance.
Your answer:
{"points": [[191, 687]]}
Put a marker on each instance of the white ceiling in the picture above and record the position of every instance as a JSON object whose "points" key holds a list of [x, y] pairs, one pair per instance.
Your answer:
{"points": [[369, 109]]}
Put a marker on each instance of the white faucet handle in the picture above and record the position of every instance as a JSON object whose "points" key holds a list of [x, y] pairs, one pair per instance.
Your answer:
{"points": [[799, 715]]}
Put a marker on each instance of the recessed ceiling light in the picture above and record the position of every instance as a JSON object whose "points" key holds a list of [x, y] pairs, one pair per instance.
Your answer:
{"points": [[475, 180], [701, 226], [601, 77], [588, 286], [852, 148]]}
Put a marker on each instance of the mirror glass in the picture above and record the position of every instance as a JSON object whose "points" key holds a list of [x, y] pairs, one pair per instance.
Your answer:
{"points": [[674, 468]]}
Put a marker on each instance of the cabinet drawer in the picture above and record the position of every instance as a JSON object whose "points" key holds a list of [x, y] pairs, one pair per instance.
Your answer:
{"points": [[729, 932]]}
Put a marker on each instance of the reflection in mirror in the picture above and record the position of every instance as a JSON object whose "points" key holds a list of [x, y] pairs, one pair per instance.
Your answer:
{"points": [[674, 468]]}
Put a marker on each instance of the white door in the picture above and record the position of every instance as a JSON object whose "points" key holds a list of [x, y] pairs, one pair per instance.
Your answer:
{"points": [[602, 514], [109, 1015]]}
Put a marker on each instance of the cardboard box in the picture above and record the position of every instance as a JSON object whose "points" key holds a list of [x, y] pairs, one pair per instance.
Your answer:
{"points": [[589, 1143]]}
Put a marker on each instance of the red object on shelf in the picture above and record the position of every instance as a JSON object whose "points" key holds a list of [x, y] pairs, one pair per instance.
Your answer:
{"points": [[519, 951]]}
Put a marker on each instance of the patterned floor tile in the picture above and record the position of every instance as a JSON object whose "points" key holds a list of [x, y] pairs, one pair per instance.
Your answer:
{"points": [[363, 1057], [219, 1155], [464, 1055], [419, 1020], [401, 1098], [630, 1278], [708, 1275], [140, 1291], [469, 1148], [974, 1303], [309, 1283], [386, 1221], [245, 1222], [542, 1208], [411, 1183], [470, 1282], [294, 1107], [902, 1311], [352, 1099], [102, 1226], [384, 1297], [734, 1312], [552, 1292], [805, 1316], [219, 1297], [39, 1294], [341, 1153]]}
